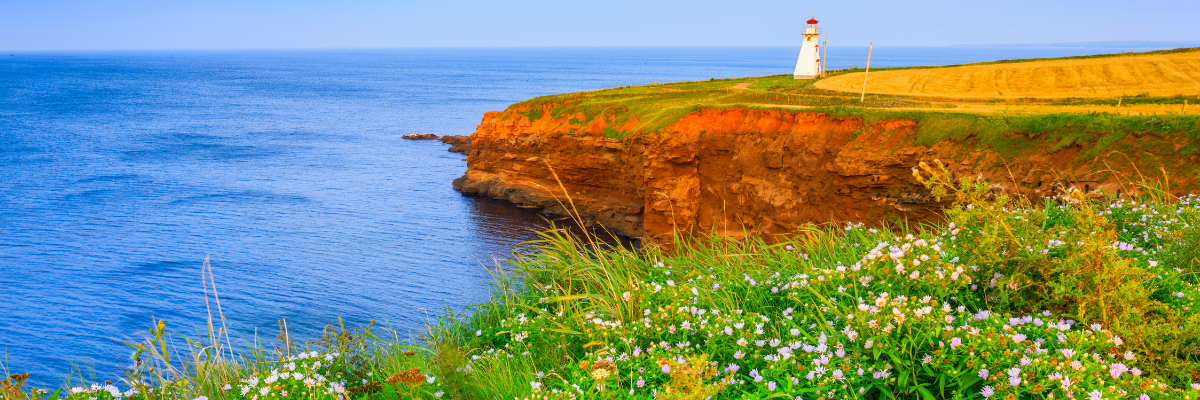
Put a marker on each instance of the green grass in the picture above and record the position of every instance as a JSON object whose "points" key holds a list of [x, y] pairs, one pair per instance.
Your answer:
{"points": [[1004, 297]]}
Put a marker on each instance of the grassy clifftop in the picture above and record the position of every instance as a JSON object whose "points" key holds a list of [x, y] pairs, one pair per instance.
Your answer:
{"points": [[1160, 105], [1013, 127]]}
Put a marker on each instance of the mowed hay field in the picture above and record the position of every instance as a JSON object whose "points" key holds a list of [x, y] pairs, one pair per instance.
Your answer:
{"points": [[1161, 74]]}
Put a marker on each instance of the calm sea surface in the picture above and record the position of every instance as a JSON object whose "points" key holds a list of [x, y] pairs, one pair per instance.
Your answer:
{"points": [[121, 172]]}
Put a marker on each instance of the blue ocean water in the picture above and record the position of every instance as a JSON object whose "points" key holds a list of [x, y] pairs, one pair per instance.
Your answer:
{"points": [[120, 172]]}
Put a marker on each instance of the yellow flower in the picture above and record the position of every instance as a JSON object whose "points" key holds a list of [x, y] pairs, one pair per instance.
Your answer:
{"points": [[600, 374]]}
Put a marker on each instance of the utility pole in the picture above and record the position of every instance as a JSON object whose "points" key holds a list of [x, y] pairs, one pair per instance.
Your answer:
{"points": [[868, 71], [825, 44]]}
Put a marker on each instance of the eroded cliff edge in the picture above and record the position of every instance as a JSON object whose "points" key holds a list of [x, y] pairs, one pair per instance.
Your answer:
{"points": [[740, 170]]}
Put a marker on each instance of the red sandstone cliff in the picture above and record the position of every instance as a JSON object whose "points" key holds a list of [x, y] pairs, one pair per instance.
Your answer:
{"points": [[743, 170]]}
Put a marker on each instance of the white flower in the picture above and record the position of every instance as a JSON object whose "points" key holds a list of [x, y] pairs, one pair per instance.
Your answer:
{"points": [[430, 379], [1095, 395], [537, 386]]}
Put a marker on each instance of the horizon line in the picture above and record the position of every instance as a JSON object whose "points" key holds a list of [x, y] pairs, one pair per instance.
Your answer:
{"points": [[1133, 44]]}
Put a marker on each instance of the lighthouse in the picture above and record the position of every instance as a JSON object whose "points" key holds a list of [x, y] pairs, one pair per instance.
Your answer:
{"points": [[808, 65]]}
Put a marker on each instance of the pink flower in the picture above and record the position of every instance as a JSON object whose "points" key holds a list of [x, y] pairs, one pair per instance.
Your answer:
{"points": [[955, 342], [1116, 369]]}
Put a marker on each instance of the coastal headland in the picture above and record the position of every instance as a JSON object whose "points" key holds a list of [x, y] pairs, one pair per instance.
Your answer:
{"points": [[765, 155]]}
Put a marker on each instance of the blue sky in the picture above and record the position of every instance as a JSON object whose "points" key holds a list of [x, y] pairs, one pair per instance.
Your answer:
{"points": [[225, 24]]}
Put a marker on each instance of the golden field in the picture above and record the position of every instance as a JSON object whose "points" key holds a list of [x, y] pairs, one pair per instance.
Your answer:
{"points": [[1156, 74]]}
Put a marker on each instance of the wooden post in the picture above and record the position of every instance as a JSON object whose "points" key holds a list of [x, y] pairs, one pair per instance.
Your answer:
{"points": [[1185, 106], [1119, 100], [863, 97], [826, 44]]}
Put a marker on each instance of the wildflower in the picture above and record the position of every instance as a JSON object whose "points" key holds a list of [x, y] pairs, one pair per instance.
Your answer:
{"points": [[771, 386], [983, 373], [738, 354], [602, 374], [1018, 338], [1014, 376], [666, 368], [955, 342], [1066, 383], [1144, 397], [1116, 369], [205, 397], [1095, 395], [987, 392]]}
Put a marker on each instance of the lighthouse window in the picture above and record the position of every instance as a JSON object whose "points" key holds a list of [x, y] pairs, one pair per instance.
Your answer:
{"points": [[808, 39]]}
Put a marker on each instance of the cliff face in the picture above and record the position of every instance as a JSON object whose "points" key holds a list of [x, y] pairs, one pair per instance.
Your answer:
{"points": [[739, 170]]}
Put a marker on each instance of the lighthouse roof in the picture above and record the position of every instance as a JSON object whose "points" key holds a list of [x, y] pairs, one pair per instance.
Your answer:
{"points": [[812, 21]]}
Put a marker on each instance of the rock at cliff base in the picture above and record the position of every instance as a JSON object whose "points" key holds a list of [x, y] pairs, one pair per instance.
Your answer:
{"points": [[460, 144], [419, 136]]}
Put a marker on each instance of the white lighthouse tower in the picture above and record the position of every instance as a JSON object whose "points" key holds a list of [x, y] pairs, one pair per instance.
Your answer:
{"points": [[809, 65]]}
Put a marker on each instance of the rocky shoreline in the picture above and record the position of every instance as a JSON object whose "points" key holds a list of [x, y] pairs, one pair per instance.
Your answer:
{"points": [[460, 144]]}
